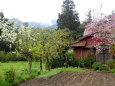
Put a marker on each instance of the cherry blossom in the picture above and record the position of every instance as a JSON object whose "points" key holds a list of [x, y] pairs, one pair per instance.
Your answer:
{"points": [[103, 29]]}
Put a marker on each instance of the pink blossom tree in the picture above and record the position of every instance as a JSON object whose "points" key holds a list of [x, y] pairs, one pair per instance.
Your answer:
{"points": [[103, 29]]}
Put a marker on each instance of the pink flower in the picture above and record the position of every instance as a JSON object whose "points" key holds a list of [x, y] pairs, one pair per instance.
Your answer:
{"points": [[104, 29]]}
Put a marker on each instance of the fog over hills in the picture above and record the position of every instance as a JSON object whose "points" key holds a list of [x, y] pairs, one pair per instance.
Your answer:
{"points": [[53, 24]]}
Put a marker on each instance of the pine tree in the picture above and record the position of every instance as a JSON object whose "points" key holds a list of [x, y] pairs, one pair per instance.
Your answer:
{"points": [[68, 18]]}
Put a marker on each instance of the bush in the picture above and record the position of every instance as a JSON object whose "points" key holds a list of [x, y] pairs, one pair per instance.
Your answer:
{"points": [[3, 83], [71, 61], [111, 63], [19, 57], [10, 75], [97, 65], [26, 75], [2, 56], [82, 62], [9, 56], [86, 62], [105, 67], [69, 54], [34, 73], [6, 56], [57, 62], [112, 70]]}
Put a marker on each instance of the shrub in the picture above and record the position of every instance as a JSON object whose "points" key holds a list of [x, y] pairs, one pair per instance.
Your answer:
{"points": [[25, 75], [73, 62], [19, 57], [69, 54], [2, 56], [9, 56], [57, 62], [111, 63], [34, 73], [10, 75], [82, 62], [97, 65], [112, 70], [3, 83], [86, 62], [105, 67]]}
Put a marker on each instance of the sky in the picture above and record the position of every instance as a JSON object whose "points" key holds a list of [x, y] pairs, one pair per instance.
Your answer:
{"points": [[47, 10]]}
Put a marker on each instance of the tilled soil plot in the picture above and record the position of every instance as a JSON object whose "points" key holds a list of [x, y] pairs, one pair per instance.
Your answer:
{"points": [[74, 79]]}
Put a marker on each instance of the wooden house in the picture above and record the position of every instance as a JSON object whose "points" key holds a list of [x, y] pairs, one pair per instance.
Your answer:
{"points": [[86, 45]]}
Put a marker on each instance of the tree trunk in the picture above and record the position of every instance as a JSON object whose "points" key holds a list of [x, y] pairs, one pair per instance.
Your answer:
{"points": [[41, 64], [30, 65], [47, 64]]}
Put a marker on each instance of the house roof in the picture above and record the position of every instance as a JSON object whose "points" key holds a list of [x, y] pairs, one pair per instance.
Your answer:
{"points": [[83, 43], [81, 38]]}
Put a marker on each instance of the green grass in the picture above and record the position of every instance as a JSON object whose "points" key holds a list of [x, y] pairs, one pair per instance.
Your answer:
{"points": [[22, 73], [47, 73], [18, 66], [21, 69]]}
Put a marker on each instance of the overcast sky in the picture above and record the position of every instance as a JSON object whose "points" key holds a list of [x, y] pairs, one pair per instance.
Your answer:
{"points": [[47, 10]]}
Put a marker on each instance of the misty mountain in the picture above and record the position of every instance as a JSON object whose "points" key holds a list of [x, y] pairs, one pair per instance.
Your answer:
{"points": [[53, 24]]}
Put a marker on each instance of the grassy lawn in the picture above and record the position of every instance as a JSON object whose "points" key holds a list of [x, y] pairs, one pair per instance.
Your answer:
{"points": [[21, 69], [17, 66]]}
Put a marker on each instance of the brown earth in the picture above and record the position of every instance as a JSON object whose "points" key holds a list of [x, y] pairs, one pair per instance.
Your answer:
{"points": [[74, 79]]}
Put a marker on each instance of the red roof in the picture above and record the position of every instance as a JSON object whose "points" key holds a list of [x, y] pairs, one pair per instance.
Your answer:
{"points": [[86, 41]]}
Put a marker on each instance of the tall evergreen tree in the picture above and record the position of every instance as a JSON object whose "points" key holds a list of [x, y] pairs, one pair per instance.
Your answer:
{"points": [[68, 18]]}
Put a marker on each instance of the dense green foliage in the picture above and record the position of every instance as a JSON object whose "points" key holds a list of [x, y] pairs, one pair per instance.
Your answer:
{"points": [[105, 67], [68, 18], [97, 65], [71, 61], [111, 63], [86, 62], [10, 56], [10, 75]]}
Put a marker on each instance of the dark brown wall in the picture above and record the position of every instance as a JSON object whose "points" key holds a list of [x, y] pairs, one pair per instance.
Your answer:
{"points": [[81, 52]]}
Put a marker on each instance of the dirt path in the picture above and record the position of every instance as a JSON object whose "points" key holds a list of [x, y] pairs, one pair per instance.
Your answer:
{"points": [[74, 79]]}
